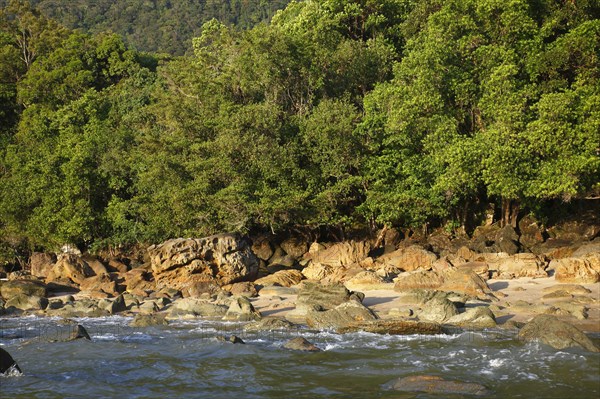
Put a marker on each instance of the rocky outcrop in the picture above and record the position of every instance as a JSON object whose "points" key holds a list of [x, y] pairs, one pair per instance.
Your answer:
{"points": [[301, 344], [294, 246], [314, 296], [519, 265], [241, 309], [283, 278], [341, 254], [582, 270], [456, 280], [438, 310], [341, 316], [41, 263], [27, 302], [9, 289], [196, 307], [408, 259], [555, 333], [71, 267], [437, 386], [225, 257]]}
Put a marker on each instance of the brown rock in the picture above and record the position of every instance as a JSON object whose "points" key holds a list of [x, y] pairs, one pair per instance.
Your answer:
{"points": [[342, 253], [519, 265], [283, 278], [295, 247], [317, 271], [95, 264], [41, 263], [556, 333], [262, 248], [246, 289], [241, 309], [419, 279], [409, 259], [70, 267], [572, 289], [480, 268], [584, 270], [9, 289], [301, 344], [394, 327], [339, 317], [102, 282], [116, 265], [139, 281]]}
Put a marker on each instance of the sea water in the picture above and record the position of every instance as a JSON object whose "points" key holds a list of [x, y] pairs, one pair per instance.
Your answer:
{"points": [[185, 360]]}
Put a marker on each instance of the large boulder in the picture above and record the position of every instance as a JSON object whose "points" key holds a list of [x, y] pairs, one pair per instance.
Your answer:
{"points": [[41, 263], [226, 257], [556, 333], [9, 289], [408, 259], [262, 248], [71, 267], [532, 232], [300, 344], [241, 309], [583, 270], [295, 247], [100, 283], [341, 316], [341, 254], [419, 279], [8, 366], [456, 280], [27, 302], [438, 309], [196, 307], [317, 271], [313, 295], [270, 324], [438, 386], [394, 327], [477, 317], [283, 278], [139, 281], [518, 265]]}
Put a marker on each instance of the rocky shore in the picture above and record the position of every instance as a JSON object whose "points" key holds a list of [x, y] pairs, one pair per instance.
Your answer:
{"points": [[544, 288]]}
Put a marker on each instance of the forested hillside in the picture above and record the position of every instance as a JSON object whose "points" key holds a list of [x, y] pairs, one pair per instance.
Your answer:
{"points": [[338, 114], [156, 25]]}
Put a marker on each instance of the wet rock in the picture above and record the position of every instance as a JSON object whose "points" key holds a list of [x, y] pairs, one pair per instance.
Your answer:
{"points": [[79, 308], [394, 327], [283, 278], [556, 333], [477, 317], [9, 289], [196, 307], [226, 257], [148, 320], [437, 385], [79, 332], [241, 309], [8, 365], [71, 267], [26, 302], [339, 317], [301, 344], [232, 339], [269, 324]]}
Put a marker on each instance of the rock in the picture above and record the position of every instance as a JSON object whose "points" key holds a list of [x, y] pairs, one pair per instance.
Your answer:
{"points": [[339, 317], [246, 289], [532, 232], [41, 263], [419, 279], [80, 308], [316, 247], [71, 267], [555, 333], [226, 257], [587, 249], [408, 259], [95, 264], [262, 248], [584, 270], [139, 281], [269, 324], [272, 290], [241, 309], [394, 327], [572, 289], [283, 278], [519, 265], [557, 294], [8, 366], [148, 320], [148, 307], [477, 317], [117, 266], [456, 280], [295, 247], [233, 339], [301, 344], [480, 268], [495, 239], [78, 333], [317, 271], [313, 295], [365, 280], [27, 302], [342, 253], [438, 386], [438, 310], [196, 307], [100, 283], [118, 305], [9, 289], [582, 229]]}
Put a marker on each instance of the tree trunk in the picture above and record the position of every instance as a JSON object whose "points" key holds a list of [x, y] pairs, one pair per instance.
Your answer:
{"points": [[510, 212]]}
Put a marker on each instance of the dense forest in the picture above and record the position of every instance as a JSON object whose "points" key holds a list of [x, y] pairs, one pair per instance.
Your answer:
{"points": [[166, 26], [337, 115]]}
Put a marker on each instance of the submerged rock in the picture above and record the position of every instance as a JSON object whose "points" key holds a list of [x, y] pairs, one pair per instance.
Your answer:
{"points": [[233, 339], [79, 332], [556, 333], [301, 344], [147, 320], [437, 385], [269, 324], [8, 366], [241, 309], [394, 327], [339, 317], [196, 307]]}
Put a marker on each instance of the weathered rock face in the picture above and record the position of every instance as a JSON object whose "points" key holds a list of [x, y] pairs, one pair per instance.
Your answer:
{"points": [[478, 317], [8, 366], [41, 263], [437, 385], [365, 280], [241, 310], [9, 289], [70, 267], [341, 316], [409, 259], [532, 232], [456, 280], [300, 344], [262, 248], [341, 254], [556, 333], [103, 282], [295, 247], [27, 302], [419, 279], [196, 307], [495, 239], [317, 271], [269, 324], [198, 266], [139, 281], [283, 278], [583, 270], [313, 296], [519, 265], [438, 310]]}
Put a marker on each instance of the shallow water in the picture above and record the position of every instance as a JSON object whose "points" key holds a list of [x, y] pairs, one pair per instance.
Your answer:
{"points": [[184, 360]]}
